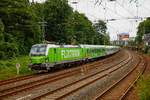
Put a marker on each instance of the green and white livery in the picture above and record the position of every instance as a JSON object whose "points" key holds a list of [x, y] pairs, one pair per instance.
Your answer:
{"points": [[46, 56]]}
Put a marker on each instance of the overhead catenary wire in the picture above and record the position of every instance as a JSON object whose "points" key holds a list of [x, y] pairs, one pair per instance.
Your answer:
{"points": [[125, 9], [147, 9], [110, 14], [109, 9], [98, 2], [131, 13], [112, 11], [135, 17], [144, 7], [105, 15]]}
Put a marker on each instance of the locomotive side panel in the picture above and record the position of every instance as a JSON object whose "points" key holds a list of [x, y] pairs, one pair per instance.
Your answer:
{"points": [[68, 54], [45, 56]]}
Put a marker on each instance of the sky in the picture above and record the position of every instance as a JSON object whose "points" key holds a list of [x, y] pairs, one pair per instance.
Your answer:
{"points": [[128, 13]]}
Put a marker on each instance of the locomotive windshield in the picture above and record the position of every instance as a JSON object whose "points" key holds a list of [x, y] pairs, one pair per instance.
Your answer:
{"points": [[38, 50]]}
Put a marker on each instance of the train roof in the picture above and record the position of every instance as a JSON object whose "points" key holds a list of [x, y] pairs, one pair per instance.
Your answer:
{"points": [[91, 46], [56, 46], [53, 46], [97, 46], [38, 45], [70, 46], [49, 45], [77, 46]]}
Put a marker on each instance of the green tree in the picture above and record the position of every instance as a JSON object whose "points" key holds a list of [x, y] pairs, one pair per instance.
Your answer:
{"points": [[82, 28], [143, 28], [106, 39], [1, 31], [65, 26], [101, 28], [20, 27], [57, 13]]}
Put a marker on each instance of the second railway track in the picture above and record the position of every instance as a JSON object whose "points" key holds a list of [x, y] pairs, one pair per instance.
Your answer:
{"points": [[8, 89], [26, 77], [69, 89], [71, 82], [119, 89]]}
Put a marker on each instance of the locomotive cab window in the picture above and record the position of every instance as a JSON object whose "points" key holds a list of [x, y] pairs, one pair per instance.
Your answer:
{"points": [[38, 50]]}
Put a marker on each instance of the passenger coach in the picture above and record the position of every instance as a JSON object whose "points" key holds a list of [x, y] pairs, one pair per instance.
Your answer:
{"points": [[46, 56]]}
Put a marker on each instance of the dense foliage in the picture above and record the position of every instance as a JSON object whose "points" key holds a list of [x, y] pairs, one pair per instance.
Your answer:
{"points": [[19, 29], [143, 28], [23, 24], [143, 87], [8, 69], [101, 28]]}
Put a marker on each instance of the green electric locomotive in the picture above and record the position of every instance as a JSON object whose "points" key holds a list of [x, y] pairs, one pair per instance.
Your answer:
{"points": [[46, 56]]}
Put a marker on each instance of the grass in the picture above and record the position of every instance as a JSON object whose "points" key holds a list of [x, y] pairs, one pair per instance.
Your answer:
{"points": [[143, 88], [148, 52], [8, 67]]}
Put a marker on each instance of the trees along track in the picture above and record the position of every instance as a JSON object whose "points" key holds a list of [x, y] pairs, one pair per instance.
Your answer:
{"points": [[13, 90], [142, 62]]}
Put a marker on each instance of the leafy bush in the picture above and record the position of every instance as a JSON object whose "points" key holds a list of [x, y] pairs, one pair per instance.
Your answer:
{"points": [[21, 26], [144, 88], [8, 50], [8, 69], [147, 50], [19, 29]]}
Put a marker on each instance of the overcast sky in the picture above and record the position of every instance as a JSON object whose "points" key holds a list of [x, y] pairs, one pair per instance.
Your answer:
{"points": [[121, 10]]}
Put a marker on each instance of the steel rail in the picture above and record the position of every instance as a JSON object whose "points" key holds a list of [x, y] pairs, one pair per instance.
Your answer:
{"points": [[51, 92], [21, 78], [38, 83], [122, 97], [117, 82]]}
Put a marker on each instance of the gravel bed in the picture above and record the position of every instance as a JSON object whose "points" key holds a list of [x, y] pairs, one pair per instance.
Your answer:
{"points": [[133, 94], [90, 91], [45, 76], [119, 89], [54, 85]]}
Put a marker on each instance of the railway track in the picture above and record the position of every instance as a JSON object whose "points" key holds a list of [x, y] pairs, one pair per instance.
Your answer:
{"points": [[68, 89], [14, 90], [21, 78], [110, 92], [122, 97], [76, 80]]}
